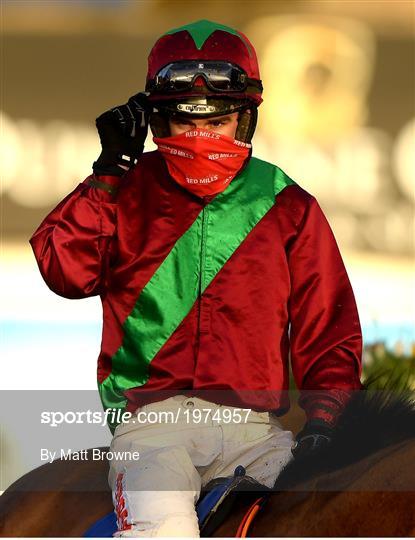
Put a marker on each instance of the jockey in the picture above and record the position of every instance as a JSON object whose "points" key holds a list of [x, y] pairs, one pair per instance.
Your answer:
{"points": [[215, 269]]}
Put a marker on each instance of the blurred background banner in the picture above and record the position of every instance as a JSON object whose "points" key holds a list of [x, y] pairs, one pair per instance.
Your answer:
{"points": [[338, 116]]}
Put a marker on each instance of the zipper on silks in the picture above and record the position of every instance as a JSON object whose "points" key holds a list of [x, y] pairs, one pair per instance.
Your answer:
{"points": [[205, 212], [203, 249]]}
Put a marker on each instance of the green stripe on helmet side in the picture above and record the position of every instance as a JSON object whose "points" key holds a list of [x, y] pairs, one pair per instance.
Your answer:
{"points": [[173, 289], [201, 30]]}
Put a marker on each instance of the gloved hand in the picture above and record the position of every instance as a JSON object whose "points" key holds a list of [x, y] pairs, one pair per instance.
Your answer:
{"points": [[314, 436], [122, 131]]}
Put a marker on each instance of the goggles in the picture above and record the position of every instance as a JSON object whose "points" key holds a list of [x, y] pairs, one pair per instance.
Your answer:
{"points": [[219, 76]]}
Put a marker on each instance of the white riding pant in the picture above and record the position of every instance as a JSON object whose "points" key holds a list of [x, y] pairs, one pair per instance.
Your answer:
{"points": [[192, 442]]}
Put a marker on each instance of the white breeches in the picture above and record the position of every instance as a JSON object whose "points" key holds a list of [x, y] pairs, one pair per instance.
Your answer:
{"points": [[155, 495]]}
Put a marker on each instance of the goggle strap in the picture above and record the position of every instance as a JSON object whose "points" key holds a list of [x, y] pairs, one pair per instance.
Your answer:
{"points": [[248, 86]]}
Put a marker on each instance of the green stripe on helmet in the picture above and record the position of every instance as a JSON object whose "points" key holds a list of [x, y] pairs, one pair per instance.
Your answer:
{"points": [[201, 30]]}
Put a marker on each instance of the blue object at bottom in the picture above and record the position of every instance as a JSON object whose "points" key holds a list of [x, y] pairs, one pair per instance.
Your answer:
{"points": [[107, 526], [103, 528]]}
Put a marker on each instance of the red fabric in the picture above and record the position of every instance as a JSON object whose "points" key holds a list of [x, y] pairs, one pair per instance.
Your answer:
{"points": [[219, 45], [203, 161], [326, 404], [284, 292], [121, 510]]}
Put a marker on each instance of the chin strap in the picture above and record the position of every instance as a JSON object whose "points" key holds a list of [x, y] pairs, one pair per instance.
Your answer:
{"points": [[247, 124], [159, 124]]}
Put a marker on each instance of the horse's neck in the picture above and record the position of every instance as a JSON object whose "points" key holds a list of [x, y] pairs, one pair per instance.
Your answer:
{"points": [[381, 471], [385, 474]]}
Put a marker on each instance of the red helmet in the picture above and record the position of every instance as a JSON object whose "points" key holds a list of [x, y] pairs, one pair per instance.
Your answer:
{"points": [[205, 40], [220, 55]]}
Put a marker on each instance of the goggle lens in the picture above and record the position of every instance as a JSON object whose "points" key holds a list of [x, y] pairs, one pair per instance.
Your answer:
{"points": [[219, 76]]}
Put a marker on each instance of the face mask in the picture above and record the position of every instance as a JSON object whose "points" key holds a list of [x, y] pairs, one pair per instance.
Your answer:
{"points": [[203, 161]]}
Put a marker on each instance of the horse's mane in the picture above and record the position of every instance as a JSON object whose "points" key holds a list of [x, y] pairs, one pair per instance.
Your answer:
{"points": [[371, 421]]}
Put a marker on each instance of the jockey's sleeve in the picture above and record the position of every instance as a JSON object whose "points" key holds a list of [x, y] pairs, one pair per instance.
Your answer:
{"points": [[73, 243], [325, 333]]}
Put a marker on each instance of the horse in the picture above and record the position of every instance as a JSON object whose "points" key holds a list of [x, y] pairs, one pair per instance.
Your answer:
{"points": [[362, 484]]}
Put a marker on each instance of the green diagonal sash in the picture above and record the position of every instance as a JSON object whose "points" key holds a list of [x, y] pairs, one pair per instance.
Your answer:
{"points": [[173, 289]]}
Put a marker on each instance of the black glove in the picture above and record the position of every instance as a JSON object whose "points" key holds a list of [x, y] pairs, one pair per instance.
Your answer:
{"points": [[122, 131], [314, 436]]}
